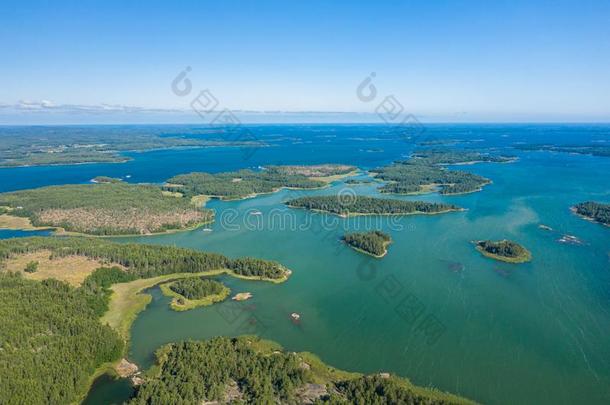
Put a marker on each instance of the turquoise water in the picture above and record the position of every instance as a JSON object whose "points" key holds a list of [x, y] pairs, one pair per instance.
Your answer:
{"points": [[433, 309]]}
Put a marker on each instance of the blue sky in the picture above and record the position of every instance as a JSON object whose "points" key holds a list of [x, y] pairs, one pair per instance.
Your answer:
{"points": [[449, 61]]}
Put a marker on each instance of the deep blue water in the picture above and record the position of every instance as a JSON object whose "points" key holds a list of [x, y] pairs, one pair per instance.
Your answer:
{"points": [[8, 233], [362, 145]]}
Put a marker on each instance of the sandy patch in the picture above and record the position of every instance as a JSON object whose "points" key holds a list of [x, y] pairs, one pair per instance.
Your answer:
{"points": [[21, 223]]}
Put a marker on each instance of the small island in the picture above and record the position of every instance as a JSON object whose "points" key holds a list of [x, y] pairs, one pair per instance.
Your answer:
{"points": [[503, 250], [374, 243], [242, 296], [358, 181], [189, 293], [105, 179], [360, 205], [593, 211]]}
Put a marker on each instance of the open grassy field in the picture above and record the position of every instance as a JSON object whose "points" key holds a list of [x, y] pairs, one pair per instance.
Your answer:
{"points": [[71, 269]]}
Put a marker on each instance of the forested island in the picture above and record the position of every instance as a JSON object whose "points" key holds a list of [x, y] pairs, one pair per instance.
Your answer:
{"points": [[504, 250], [52, 341], [453, 157], [407, 177], [105, 209], [361, 205], [248, 183], [105, 179], [374, 243], [423, 172], [594, 150], [594, 211], [189, 293], [249, 370], [41, 145]]}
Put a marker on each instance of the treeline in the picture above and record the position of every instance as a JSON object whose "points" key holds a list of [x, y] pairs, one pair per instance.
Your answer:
{"points": [[238, 184], [104, 209], [368, 205], [406, 177], [374, 242], [375, 390], [142, 261], [195, 288], [51, 341], [246, 370], [194, 372], [596, 211]]}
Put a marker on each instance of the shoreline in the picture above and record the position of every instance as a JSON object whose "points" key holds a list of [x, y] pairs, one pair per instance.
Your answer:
{"points": [[128, 300], [361, 214]]}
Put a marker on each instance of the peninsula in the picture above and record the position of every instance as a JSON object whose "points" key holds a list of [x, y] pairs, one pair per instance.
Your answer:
{"points": [[237, 370]]}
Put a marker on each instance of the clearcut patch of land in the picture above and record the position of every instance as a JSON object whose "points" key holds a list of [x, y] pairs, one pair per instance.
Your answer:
{"points": [[102, 209]]}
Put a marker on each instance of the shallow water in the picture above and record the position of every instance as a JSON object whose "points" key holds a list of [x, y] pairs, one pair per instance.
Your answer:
{"points": [[433, 309]]}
